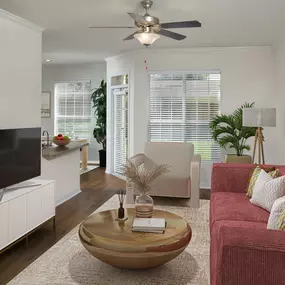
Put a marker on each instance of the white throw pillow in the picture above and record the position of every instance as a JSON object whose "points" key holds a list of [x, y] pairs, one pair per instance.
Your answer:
{"points": [[277, 209], [267, 190], [262, 178]]}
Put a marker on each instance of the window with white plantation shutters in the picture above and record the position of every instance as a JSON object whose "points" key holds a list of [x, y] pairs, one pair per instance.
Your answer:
{"points": [[121, 129], [181, 107], [73, 109]]}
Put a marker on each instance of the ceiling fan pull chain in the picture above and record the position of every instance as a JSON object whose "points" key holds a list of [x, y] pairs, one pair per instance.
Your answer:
{"points": [[146, 67]]}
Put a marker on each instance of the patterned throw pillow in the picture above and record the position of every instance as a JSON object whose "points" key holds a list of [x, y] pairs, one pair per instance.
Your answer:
{"points": [[254, 175], [281, 225], [276, 212]]}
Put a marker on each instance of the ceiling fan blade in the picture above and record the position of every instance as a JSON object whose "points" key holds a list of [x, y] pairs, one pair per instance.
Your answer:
{"points": [[185, 24], [130, 37], [138, 18], [172, 35], [110, 27]]}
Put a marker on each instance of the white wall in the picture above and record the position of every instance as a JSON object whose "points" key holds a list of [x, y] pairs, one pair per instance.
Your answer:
{"points": [[52, 73], [20, 73], [123, 64], [247, 75], [279, 90]]}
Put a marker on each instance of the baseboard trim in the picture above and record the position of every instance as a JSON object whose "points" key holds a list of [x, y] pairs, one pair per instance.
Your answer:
{"points": [[67, 198]]}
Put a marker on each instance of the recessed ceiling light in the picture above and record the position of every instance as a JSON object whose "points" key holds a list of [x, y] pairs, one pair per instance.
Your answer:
{"points": [[48, 60]]}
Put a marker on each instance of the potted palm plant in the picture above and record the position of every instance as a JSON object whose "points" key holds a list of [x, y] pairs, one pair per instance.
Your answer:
{"points": [[229, 132], [99, 98]]}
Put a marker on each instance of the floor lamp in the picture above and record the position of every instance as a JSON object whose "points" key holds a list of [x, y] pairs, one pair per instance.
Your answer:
{"points": [[260, 118]]}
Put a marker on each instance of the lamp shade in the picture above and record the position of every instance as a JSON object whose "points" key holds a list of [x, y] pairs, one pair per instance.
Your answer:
{"points": [[259, 117], [147, 38]]}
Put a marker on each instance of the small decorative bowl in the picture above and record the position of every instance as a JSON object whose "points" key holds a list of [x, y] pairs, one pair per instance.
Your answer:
{"points": [[61, 142]]}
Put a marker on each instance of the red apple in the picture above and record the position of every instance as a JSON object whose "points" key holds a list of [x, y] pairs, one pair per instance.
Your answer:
{"points": [[59, 135], [61, 138], [57, 138]]}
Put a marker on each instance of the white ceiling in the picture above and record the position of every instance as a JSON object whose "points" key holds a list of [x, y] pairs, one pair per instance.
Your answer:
{"points": [[67, 38]]}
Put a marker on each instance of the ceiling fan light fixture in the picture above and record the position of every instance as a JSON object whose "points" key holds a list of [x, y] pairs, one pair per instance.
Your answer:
{"points": [[147, 39]]}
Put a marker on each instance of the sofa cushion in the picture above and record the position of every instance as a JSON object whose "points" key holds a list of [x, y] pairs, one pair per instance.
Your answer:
{"points": [[235, 207]]}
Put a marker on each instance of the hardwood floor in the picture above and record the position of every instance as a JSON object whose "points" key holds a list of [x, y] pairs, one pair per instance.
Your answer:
{"points": [[97, 187]]}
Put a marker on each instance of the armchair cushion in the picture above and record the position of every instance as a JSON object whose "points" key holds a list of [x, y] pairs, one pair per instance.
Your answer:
{"points": [[171, 186], [182, 181], [177, 155]]}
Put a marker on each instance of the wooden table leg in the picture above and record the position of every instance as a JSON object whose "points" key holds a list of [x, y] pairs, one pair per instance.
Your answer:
{"points": [[259, 146], [84, 156], [262, 148]]}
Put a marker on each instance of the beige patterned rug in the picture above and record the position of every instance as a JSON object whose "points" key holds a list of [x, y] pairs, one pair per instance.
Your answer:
{"points": [[68, 263]]}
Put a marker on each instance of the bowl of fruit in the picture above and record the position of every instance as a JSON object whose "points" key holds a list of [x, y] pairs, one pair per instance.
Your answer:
{"points": [[61, 140]]}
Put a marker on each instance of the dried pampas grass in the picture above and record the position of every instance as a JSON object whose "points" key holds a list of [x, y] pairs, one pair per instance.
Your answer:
{"points": [[142, 176]]}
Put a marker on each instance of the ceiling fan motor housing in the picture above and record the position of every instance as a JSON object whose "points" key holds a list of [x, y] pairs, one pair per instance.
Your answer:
{"points": [[151, 22], [150, 29]]}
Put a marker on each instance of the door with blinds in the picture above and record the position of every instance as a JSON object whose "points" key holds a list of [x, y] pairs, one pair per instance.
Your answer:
{"points": [[181, 107], [120, 99]]}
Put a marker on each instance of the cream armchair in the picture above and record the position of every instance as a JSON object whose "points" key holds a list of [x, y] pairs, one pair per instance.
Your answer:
{"points": [[183, 180]]}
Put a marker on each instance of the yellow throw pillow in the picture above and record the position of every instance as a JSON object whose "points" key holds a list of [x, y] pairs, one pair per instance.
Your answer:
{"points": [[254, 175], [281, 225]]}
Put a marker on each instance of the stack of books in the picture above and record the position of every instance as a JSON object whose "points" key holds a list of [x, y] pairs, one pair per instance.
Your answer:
{"points": [[151, 225]]}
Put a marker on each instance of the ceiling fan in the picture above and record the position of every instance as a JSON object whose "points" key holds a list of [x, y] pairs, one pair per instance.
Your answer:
{"points": [[150, 29]]}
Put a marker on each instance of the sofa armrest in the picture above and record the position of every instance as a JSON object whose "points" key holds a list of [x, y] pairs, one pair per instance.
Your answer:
{"points": [[251, 256], [230, 177], [195, 180]]}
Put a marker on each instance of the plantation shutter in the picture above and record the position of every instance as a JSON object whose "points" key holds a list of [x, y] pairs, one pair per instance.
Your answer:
{"points": [[73, 109], [121, 129], [181, 107]]}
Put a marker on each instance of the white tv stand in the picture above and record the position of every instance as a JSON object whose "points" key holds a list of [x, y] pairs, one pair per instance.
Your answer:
{"points": [[25, 209]]}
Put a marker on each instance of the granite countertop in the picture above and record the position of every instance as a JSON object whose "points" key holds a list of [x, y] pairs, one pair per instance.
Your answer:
{"points": [[54, 151]]}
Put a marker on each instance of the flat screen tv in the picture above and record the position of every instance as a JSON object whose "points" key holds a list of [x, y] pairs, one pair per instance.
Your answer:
{"points": [[20, 155]]}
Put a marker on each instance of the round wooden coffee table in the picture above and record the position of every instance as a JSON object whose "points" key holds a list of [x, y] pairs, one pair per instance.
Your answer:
{"points": [[114, 243]]}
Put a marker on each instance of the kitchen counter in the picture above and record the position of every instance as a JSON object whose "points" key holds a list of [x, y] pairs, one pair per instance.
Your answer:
{"points": [[62, 164], [54, 151]]}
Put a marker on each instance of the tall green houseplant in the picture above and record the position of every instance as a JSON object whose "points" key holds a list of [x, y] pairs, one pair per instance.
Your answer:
{"points": [[99, 98], [228, 130]]}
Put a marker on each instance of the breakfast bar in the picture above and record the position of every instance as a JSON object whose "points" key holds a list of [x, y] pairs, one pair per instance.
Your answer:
{"points": [[62, 164]]}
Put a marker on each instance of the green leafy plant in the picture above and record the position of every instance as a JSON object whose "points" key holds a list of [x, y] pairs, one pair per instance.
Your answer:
{"points": [[99, 98], [228, 131]]}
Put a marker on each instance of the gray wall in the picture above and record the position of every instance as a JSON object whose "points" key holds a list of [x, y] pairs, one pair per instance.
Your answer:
{"points": [[52, 73]]}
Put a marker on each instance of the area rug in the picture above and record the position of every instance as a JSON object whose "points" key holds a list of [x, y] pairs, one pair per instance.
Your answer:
{"points": [[68, 263]]}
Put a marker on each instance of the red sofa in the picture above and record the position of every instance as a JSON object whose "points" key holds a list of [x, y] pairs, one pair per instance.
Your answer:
{"points": [[243, 251]]}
